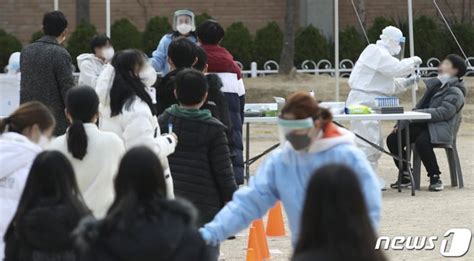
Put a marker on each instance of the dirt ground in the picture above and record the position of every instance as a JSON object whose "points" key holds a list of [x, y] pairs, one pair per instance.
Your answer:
{"points": [[426, 214]]}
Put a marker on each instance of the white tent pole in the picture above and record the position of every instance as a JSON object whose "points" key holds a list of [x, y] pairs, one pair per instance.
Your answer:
{"points": [[107, 18], [336, 46], [412, 44], [56, 5]]}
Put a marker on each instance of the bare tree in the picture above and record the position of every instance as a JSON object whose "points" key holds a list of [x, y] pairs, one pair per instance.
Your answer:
{"points": [[82, 11], [287, 56]]}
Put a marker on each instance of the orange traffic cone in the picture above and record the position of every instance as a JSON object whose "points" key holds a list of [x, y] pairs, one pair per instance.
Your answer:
{"points": [[262, 238], [275, 224], [253, 244], [251, 256]]}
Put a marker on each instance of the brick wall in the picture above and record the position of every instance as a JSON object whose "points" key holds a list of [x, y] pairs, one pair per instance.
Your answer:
{"points": [[23, 17]]}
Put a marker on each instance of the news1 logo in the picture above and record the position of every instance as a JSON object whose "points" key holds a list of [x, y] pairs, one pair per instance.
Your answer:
{"points": [[456, 242]]}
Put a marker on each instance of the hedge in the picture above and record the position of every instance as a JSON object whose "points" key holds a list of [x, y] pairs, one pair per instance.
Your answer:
{"points": [[125, 35], [36, 35], [9, 44], [154, 31], [310, 45], [201, 18], [238, 41], [351, 44], [268, 44]]}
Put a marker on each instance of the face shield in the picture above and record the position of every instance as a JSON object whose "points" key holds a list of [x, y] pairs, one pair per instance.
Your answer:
{"points": [[298, 133], [401, 55], [183, 21]]}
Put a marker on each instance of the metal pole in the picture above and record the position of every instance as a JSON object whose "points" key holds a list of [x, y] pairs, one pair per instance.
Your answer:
{"points": [[412, 47], [336, 45], [107, 18], [56, 5]]}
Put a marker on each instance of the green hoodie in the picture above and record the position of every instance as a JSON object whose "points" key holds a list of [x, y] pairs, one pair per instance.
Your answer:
{"points": [[189, 113]]}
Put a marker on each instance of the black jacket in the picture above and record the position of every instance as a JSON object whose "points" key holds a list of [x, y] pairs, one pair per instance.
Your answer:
{"points": [[165, 92], [201, 166], [171, 236], [217, 104], [43, 234]]}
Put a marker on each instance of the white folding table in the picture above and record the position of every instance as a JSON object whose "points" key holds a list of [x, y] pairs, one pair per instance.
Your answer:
{"points": [[398, 117]]}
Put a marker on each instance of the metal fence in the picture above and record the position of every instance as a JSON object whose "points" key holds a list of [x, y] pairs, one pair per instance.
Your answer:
{"points": [[325, 67], [429, 69]]}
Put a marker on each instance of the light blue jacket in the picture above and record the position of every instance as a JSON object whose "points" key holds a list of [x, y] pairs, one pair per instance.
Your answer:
{"points": [[284, 176], [160, 55]]}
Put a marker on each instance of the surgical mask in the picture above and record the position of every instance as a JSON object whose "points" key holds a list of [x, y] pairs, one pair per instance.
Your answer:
{"points": [[148, 75], [299, 142], [108, 53], [444, 78], [43, 141], [184, 28]]}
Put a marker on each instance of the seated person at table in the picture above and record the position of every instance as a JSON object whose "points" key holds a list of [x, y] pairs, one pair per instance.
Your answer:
{"points": [[201, 165], [443, 99]]}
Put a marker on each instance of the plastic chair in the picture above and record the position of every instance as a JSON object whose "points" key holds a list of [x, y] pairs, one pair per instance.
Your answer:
{"points": [[455, 169]]}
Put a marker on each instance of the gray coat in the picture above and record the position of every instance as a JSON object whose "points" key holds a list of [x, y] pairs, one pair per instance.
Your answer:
{"points": [[46, 76], [444, 108]]}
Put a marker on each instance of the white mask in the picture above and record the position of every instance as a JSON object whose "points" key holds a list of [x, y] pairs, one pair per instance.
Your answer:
{"points": [[108, 53], [444, 78], [43, 141], [148, 75], [184, 28]]}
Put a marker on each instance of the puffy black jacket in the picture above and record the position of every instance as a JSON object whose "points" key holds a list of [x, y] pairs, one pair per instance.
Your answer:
{"points": [[200, 166], [169, 236], [43, 234]]}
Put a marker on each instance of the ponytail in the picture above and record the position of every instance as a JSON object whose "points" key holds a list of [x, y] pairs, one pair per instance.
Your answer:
{"points": [[77, 139], [82, 105], [27, 115]]}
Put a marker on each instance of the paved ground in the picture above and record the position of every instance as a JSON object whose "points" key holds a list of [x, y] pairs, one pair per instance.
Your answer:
{"points": [[426, 214]]}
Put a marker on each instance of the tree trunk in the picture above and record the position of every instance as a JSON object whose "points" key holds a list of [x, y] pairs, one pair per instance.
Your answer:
{"points": [[287, 56], [82, 11]]}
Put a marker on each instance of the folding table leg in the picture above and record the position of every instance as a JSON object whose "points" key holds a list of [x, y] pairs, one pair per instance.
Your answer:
{"points": [[400, 154], [408, 158]]}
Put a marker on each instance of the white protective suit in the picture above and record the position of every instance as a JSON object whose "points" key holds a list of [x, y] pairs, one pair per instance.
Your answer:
{"points": [[376, 74], [90, 67], [10, 86]]}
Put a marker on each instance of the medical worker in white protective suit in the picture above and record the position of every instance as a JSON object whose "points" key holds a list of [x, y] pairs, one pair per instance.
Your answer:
{"points": [[378, 73], [10, 86]]}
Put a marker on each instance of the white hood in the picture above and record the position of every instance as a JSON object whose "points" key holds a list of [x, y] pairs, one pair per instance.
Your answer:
{"points": [[88, 57], [16, 152], [322, 144]]}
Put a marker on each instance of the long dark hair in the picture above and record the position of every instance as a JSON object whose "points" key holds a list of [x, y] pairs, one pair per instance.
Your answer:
{"points": [[127, 84], [51, 178], [335, 218], [139, 185], [27, 115], [82, 104]]}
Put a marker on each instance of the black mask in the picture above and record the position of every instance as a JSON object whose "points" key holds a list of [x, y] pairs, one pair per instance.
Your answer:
{"points": [[299, 142]]}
